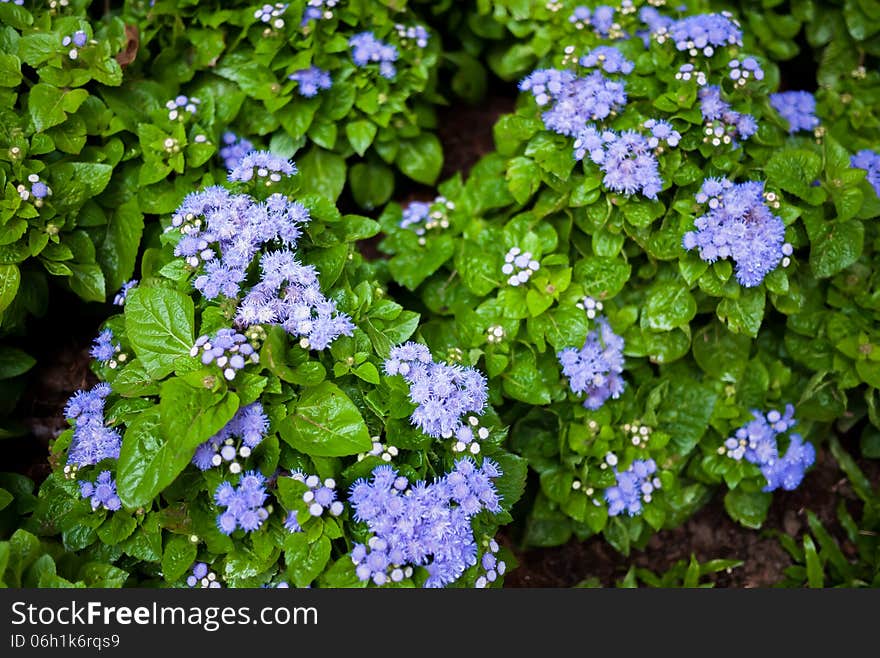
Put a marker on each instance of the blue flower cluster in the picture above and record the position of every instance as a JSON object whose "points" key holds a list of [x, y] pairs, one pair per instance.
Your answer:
{"points": [[311, 80], [272, 14], [367, 49], [234, 150], [443, 393], [869, 161], [37, 193], [742, 71], [662, 131], [723, 125], [635, 486], [78, 40], [519, 266], [203, 577], [228, 349], [688, 71], [236, 227], [103, 348], [609, 59], [92, 441], [601, 19], [102, 493], [626, 158], [575, 100], [185, 103], [119, 299], [249, 424], [596, 368], [321, 496], [491, 565], [422, 217], [796, 107], [244, 505], [738, 225], [757, 442], [317, 10], [267, 166], [702, 33], [423, 524], [288, 294], [412, 34]]}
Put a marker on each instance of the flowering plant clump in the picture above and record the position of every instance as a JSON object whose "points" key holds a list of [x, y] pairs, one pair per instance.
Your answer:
{"points": [[239, 458], [651, 166], [348, 87]]}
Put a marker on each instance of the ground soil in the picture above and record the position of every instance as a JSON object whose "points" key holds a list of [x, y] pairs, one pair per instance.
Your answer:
{"points": [[61, 344]]}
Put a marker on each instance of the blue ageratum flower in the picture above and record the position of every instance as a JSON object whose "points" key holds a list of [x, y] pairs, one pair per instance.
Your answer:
{"points": [[738, 225], [228, 349], [421, 524], [119, 299], [601, 19], [444, 393], [234, 149], [723, 125], [609, 59], [92, 440], [265, 164], [627, 159], [758, 442], [635, 486], [318, 10], [366, 49], [596, 368], [202, 576], [703, 33], [311, 80], [103, 348], [101, 493], [244, 504], [574, 101], [869, 161], [237, 439], [797, 108]]}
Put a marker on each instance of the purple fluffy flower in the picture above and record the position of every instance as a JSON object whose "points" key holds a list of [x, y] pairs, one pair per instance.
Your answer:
{"points": [[609, 59], [311, 80], [102, 493], [92, 441], [367, 49], [421, 524], [635, 486], [869, 161], [797, 108], [738, 225], [626, 159], [234, 150], [596, 368]]}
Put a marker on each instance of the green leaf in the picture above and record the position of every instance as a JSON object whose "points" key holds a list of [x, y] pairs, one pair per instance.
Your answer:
{"points": [[321, 172], [326, 423], [360, 134], [837, 248], [720, 353], [74, 183], [152, 456], [815, 572], [421, 158], [748, 508], [10, 279], [159, 323], [48, 105], [14, 362], [191, 416], [305, 561], [372, 184], [794, 170], [602, 278], [118, 252], [178, 557], [744, 315], [669, 305], [87, 281], [523, 178]]}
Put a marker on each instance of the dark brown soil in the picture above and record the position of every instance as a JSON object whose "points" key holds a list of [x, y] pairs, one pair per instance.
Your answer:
{"points": [[466, 133], [709, 534]]}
